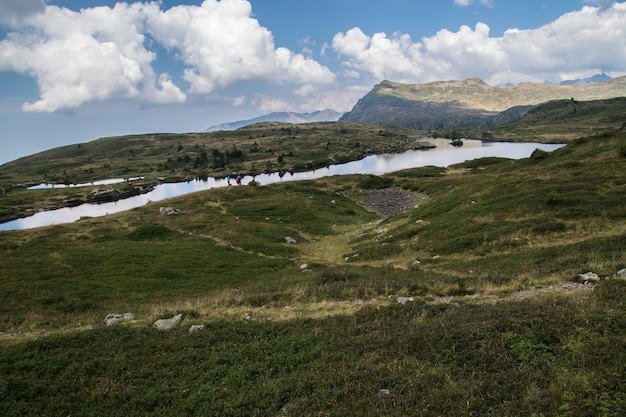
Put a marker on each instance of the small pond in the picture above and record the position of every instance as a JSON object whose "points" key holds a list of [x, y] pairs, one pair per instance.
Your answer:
{"points": [[444, 154]]}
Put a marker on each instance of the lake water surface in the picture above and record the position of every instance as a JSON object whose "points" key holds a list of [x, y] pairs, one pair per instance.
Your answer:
{"points": [[443, 155]]}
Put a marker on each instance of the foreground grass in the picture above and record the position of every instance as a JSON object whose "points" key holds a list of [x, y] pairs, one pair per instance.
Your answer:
{"points": [[551, 356], [309, 328]]}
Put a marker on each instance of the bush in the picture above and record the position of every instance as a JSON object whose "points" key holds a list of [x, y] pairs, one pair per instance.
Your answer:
{"points": [[374, 182], [150, 232]]}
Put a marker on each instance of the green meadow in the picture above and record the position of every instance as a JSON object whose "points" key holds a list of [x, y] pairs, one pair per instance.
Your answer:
{"points": [[468, 303]]}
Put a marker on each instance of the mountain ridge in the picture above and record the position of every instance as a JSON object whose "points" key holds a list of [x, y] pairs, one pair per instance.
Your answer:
{"points": [[465, 103], [327, 115]]}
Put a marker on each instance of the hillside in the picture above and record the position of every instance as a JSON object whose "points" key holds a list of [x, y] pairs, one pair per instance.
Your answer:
{"points": [[466, 301], [465, 104], [557, 121]]}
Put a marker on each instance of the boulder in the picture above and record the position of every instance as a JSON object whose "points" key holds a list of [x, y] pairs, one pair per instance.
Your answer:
{"points": [[196, 328], [621, 274], [115, 318], [168, 211], [166, 324], [290, 240], [589, 277]]}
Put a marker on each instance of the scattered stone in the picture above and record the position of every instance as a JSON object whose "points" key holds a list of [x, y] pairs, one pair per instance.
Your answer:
{"points": [[304, 266], [290, 240], [333, 202], [115, 318], [168, 211], [390, 202], [589, 277], [416, 262], [196, 328], [166, 324], [384, 392], [402, 300], [621, 274]]}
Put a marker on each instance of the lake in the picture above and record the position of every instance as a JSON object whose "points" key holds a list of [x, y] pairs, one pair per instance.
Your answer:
{"points": [[443, 155]]}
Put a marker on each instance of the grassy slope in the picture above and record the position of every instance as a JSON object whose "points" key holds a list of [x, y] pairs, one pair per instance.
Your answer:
{"points": [[560, 120], [326, 340]]}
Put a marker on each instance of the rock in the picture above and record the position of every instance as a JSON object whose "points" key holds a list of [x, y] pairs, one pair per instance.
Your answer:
{"points": [[384, 392], [589, 277], [621, 274], [290, 240], [402, 300], [166, 324], [114, 318], [196, 328], [304, 266], [168, 211]]}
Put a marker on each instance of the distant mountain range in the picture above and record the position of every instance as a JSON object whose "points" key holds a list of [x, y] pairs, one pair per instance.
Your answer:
{"points": [[285, 117], [596, 79], [467, 103]]}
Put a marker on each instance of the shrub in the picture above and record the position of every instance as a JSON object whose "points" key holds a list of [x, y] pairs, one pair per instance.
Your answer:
{"points": [[374, 182], [150, 232]]}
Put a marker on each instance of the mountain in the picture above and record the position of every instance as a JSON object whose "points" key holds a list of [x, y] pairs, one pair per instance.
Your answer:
{"points": [[284, 117], [466, 103], [595, 79]]}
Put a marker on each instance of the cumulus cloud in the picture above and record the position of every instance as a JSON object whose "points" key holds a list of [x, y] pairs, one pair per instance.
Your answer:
{"points": [[13, 11], [223, 44], [604, 4], [80, 57], [102, 53], [582, 41]]}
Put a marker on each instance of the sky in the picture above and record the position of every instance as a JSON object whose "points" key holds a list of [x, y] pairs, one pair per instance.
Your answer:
{"points": [[72, 71]]}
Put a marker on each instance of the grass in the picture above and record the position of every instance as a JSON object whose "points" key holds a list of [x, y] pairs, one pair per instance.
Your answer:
{"points": [[314, 328]]}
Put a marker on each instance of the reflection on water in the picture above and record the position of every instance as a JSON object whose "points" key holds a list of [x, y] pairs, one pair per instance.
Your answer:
{"points": [[84, 184], [443, 155]]}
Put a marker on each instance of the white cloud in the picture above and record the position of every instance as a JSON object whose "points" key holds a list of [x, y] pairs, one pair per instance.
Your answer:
{"points": [[13, 11], [222, 44], [586, 41], [101, 53], [92, 55]]}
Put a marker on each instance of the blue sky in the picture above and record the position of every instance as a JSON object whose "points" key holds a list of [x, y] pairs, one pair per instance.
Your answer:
{"points": [[72, 71]]}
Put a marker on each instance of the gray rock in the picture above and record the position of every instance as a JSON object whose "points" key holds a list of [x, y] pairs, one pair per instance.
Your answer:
{"points": [[589, 277], [168, 211], [290, 240], [196, 328], [166, 324], [115, 318], [621, 274]]}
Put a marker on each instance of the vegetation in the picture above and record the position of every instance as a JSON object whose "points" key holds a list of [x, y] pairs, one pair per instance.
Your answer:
{"points": [[497, 325], [156, 158]]}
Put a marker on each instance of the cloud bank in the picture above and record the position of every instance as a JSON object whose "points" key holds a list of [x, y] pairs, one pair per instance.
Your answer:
{"points": [[102, 53], [576, 44], [109, 53]]}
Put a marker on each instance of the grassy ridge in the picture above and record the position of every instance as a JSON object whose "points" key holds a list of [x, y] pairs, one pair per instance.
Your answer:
{"points": [[326, 339]]}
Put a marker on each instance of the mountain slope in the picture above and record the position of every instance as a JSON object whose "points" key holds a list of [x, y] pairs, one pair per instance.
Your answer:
{"points": [[464, 103]]}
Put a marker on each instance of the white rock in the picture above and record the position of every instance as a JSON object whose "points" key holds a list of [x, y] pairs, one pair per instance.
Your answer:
{"points": [[166, 324]]}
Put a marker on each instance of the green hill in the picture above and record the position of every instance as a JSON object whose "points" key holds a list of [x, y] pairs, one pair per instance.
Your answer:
{"points": [[468, 302]]}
